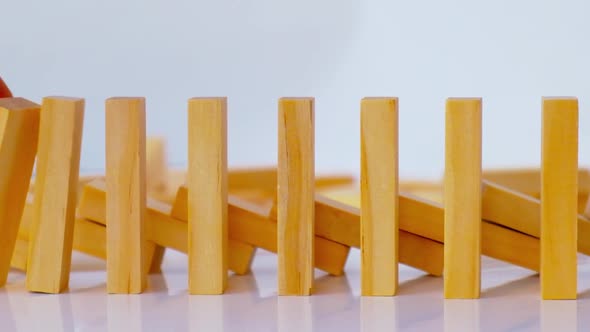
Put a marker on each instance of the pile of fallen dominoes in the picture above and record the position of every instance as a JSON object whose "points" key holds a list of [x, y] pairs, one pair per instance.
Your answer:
{"points": [[138, 208]]}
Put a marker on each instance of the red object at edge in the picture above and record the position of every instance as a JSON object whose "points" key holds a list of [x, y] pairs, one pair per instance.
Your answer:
{"points": [[4, 90]]}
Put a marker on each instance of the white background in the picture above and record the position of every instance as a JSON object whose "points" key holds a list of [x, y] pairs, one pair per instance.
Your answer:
{"points": [[508, 52]]}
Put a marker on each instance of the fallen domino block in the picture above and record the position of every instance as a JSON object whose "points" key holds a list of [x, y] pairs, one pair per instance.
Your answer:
{"points": [[162, 229], [517, 211], [248, 223], [424, 219], [528, 181], [19, 128], [19, 255], [89, 238], [340, 222]]}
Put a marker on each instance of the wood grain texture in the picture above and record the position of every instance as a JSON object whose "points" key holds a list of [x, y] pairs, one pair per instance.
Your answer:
{"points": [[54, 203], [252, 224], [207, 195], [19, 130], [462, 195], [559, 191], [296, 168], [379, 203], [126, 194]]}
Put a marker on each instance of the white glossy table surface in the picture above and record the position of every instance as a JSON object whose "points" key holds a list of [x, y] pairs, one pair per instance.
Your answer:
{"points": [[510, 302]]}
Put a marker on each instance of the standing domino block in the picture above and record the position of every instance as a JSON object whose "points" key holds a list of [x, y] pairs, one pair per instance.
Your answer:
{"points": [[379, 204], [559, 192], [207, 195], [126, 195], [296, 196], [19, 129], [54, 203], [462, 186]]}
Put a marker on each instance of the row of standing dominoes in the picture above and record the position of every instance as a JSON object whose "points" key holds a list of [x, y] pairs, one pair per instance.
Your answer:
{"points": [[309, 230]]}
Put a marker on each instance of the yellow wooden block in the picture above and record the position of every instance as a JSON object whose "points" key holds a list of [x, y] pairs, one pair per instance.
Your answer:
{"points": [[295, 219], [82, 239], [559, 191], [19, 254], [249, 223], [511, 208], [54, 205], [89, 237], [162, 229], [19, 129], [207, 195], [379, 184], [520, 212], [432, 191], [126, 199], [340, 222], [422, 221], [462, 196], [507, 245], [528, 182]]}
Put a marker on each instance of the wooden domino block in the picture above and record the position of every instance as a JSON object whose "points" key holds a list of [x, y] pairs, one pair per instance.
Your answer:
{"points": [[528, 181], [340, 222], [162, 229], [421, 231], [19, 129], [251, 224], [19, 255], [54, 204], [89, 237], [462, 273], [522, 213], [379, 184], [559, 190], [126, 198], [207, 195], [296, 196]]}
